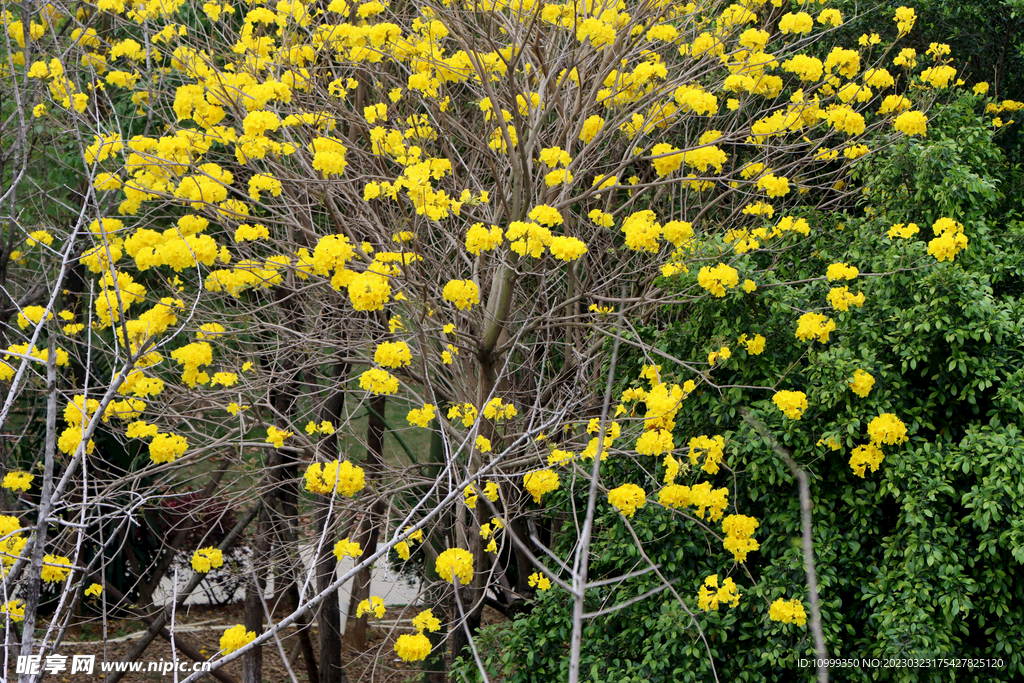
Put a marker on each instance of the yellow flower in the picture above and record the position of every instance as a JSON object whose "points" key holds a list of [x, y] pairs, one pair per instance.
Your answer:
{"points": [[323, 478], [841, 298], [887, 429], [15, 609], [591, 127], [236, 638], [18, 481], [627, 499], [347, 548], [426, 621], [716, 279], [710, 594], [905, 18], [277, 436], [469, 495], [205, 559], [455, 563], [373, 604], [911, 123], [738, 531], [539, 581], [462, 293], [403, 550], [55, 568], [905, 231], [540, 482], [801, 22], [788, 612], [862, 383], [412, 648], [94, 590], [379, 382], [791, 403], [811, 326], [421, 417], [862, 457]]}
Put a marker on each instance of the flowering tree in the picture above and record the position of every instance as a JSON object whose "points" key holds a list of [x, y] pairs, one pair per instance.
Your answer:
{"points": [[444, 223]]}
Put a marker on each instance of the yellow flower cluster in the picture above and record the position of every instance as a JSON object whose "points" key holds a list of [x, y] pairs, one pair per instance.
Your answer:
{"points": [[716, 279], [738, 532], [528, 238], [13, 542], [841, 271], [539, 482], [884, 429], [368, 291], [801, 22], [416, 647], [469, 494], [711, 447], [480, 239], [911, 123], [412, 647], [862, 383], [663, 402], [347, 548], [539, 581], [710, 594], [788, 612], [455, 563], [905, 231], [497, 410], [426, 621], [76, 414], [841, 298], [654, 442], [236, 638], [421, 417], [191, 356], [325, 427], [393, 354], [723, 353], [951, 239], [773, 186], [345, 478], [642, 231], [567, 248], [754, 345], [887, 429], [379, 382], [627, 499], [462, 293], [905, 18], [55, 568], [328, 156], [18, 481], [167, 447], [206, 559], [13, 609], [31, 315], [791, 403], [867, 455], [811, 326], [372, 604]]}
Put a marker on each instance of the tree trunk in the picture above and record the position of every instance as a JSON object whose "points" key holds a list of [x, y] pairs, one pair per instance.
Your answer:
{"points": [[355, 629]]}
